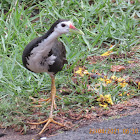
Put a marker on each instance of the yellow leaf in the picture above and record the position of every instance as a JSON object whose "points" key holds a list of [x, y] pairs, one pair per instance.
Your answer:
{"points": [[123, 84], [104, 99], [108, 99], [120, 79], [106, 53], [100, 99], [138, 85], [108, 81], [80, 72], [113, 77], [130, 61], [101, 79], [103, 105]]}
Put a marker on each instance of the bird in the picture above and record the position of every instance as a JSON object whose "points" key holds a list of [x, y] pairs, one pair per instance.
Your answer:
{"points": [[47, 54]]}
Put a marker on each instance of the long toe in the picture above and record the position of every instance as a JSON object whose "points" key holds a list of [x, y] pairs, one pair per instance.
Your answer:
{"points": [[37, 123], [49, 120]]}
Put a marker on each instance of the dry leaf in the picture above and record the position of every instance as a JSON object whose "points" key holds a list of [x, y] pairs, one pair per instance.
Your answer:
{"points": [[117, 68], [106, 53], [32, 127]]}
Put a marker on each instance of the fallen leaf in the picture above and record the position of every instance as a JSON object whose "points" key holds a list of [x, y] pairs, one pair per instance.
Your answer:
{"points": [[121, 79], [123, 84], [65, 90], [130, 61], [92, 62], [80, 72], [108, 81], [106, 53], [32, 98], [113, 77], [139, 85], [117, 68], [32, 127]]}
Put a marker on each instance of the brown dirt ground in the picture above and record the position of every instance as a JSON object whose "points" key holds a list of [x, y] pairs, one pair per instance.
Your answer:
{"points": [[130, 107]]}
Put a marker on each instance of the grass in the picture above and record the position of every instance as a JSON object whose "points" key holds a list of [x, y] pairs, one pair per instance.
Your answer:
{"points": [[104, 23]]}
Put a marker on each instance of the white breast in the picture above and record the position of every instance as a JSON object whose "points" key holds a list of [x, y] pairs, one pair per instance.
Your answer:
{"points": [[42, 50]]}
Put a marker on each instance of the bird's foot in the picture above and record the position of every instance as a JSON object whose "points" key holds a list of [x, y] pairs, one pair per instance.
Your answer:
{"points": [[49, 120], [44, 100], [48, 99]]}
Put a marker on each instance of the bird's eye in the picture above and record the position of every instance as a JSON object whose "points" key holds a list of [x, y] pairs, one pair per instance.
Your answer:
{"points": [[63, 25]]}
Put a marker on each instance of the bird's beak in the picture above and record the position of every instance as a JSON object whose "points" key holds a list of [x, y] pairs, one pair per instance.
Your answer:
{"points": [[73, 29]]}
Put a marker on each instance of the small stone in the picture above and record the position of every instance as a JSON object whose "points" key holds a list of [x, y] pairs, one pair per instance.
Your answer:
{"points": [[43, 138]]}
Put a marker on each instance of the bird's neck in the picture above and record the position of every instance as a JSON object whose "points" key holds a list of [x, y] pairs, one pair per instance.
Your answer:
{"points": [[52, 37], [47, 43]]}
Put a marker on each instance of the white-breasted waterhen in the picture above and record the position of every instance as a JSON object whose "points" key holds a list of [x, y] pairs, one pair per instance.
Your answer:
{"points": [[47, 54]]}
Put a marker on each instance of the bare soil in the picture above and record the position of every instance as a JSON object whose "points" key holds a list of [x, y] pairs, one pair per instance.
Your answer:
{"points": [[120, 122]]}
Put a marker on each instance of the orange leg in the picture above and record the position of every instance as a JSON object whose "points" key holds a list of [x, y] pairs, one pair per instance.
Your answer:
{"points": [[53, 105]]}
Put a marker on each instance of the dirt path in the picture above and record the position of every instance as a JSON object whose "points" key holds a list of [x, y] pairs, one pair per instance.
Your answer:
{"points": [[118, 129], [125, 128]]}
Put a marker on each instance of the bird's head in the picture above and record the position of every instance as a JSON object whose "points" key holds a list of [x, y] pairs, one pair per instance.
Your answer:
{"points": [[65, 26]]}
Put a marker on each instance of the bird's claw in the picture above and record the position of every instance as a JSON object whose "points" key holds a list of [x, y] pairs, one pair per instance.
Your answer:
{"points": [[47, 121]]}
